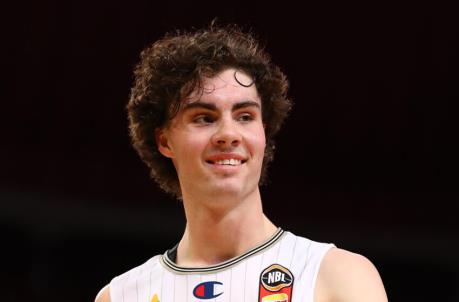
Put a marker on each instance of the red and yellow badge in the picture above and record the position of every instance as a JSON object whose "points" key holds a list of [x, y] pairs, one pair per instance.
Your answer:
{"points": [[276, 283]]}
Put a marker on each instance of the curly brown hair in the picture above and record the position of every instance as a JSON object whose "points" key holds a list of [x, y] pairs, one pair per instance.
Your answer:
{"points": [[174, 66]]}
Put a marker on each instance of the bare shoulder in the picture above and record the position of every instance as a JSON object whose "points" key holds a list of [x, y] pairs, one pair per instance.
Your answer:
{"points": [[346, 276], [104, 294]]}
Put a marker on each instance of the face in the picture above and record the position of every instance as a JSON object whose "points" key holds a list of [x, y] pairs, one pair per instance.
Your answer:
{"points": [[217, 139]]}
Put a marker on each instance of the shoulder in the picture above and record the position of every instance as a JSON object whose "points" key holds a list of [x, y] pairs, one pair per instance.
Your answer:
{"points": [[126, 282], [345, 276], [103, 295]]}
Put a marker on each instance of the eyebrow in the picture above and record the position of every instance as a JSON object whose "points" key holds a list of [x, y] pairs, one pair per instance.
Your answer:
{"points": [[213, 107]]}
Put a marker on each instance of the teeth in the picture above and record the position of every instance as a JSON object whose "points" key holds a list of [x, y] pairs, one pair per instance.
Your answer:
{"points": [[231, 162]]}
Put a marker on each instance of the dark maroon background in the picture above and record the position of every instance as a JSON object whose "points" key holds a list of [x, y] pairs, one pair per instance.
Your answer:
{"points": [[367, 159]]}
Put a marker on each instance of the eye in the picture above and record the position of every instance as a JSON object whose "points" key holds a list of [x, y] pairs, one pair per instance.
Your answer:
{"points": [[245, 117], [203, 119]]}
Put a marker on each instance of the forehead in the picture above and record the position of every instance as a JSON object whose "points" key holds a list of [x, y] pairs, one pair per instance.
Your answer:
{"points": [[228, 86]]}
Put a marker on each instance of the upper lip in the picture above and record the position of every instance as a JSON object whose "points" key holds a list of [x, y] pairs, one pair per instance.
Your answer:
{"points": [[223, 156]]}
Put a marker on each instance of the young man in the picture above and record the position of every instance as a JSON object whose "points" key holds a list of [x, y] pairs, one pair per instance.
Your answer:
{"points": [[203, 112]]}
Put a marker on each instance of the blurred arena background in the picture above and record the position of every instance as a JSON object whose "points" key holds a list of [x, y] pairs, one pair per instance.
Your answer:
{"points": [[367, 159]]}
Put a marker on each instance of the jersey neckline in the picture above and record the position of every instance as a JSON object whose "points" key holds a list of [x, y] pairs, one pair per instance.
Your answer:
{"points": [[166, 261]]}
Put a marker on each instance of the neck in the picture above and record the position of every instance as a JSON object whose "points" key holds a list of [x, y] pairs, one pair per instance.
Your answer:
{"points": [[214, 234]]}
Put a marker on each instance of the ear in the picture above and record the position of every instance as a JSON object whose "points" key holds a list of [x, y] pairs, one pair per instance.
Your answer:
{"points": [[162, 142]]}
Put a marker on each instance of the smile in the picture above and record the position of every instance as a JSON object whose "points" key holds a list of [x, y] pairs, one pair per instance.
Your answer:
{"points": [[231, 162], [228, 160]]}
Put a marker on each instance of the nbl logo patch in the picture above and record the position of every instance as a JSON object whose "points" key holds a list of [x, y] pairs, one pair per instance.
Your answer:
{"points": [[276, 284]]}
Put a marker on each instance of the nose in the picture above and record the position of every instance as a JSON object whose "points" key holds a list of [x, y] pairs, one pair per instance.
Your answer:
{"points": [[227, 134]]}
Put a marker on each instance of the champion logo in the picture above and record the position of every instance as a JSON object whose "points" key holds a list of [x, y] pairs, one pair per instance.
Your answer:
{"points": [[206, 290]]}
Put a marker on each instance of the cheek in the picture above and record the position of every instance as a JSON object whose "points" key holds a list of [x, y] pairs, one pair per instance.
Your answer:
{"points": [[262, 145], [258, 142], [188, 146]]}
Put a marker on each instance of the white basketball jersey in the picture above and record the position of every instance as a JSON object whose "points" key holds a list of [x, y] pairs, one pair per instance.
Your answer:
{"points": [[282, 269]]}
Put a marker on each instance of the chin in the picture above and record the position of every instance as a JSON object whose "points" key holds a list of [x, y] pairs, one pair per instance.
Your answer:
{"points": [[225, 190], [230, 190]]}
